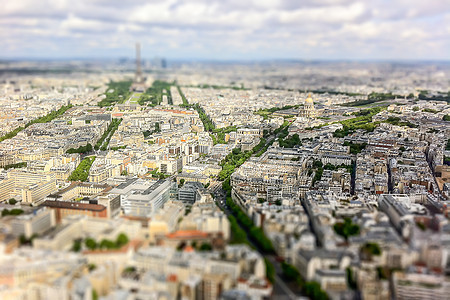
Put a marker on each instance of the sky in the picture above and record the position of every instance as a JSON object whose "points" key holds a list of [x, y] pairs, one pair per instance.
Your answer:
{"points": [[227, 29]]}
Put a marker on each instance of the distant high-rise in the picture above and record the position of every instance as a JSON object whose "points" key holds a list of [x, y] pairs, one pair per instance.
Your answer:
{"points": [[158, 62]]}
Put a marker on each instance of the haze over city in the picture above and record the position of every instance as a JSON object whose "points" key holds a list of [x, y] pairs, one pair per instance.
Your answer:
{"points": [[227, 30]]}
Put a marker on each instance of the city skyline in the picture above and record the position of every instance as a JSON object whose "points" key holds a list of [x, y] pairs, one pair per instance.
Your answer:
{"points": [[224, 180], [228, 30], [251, 150]]}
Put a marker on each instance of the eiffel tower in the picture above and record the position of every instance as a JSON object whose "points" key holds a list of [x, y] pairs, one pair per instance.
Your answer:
{"points": [[139, 80], [138, 76]]}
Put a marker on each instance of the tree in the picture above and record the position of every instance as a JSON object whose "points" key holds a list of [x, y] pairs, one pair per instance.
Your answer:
{"points": [[17, 165], [372, 248], [130, 269], [317, 175], [12, 201], [446, 160], [290, 142], [122, 239], [355, 148], [76, 247], [107, 244], [205, 247], [22, 239], [117, 91], [289, 272], [181, 246], [82, 171], [346, 228], [270, 270], [238, 235], [446, 118], [317, 164], [90, 243], [81, 149], [351, 279], [260, 238], [103, 141], [312, 289], [369, 250], [236, 151], [399, 122], [12, 212], [45, 119]]}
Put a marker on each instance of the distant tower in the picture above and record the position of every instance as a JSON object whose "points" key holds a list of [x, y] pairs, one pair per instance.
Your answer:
{"points": [[138, 78]]}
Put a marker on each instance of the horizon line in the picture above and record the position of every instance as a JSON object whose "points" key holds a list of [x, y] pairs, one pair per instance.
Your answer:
{"points": [[218, 60]]}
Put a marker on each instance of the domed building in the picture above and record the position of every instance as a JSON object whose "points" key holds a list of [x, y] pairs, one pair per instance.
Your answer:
{"points": [[308, 110]]}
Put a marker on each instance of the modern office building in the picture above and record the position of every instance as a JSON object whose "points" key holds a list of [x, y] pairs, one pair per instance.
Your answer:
{"points": [[417, 285], [188, 192], [38, 222], [142, 198], [36, 193], [6, 188]]}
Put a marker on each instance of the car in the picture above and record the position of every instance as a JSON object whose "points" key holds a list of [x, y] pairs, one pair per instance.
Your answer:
{"points": [[279, 259]]}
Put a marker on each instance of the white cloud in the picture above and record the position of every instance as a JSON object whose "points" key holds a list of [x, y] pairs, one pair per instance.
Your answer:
{"points": [[266, 28]]}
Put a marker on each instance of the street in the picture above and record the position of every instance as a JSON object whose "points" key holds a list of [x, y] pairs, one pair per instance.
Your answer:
{"points": [[280, 289]]}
